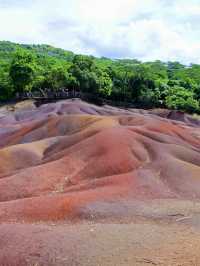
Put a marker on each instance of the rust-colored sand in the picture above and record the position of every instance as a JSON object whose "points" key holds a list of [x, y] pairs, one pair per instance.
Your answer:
{"points": [[88, 185]]}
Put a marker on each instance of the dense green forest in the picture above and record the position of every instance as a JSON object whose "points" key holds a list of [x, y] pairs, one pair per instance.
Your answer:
{"points": [[146, 85]]}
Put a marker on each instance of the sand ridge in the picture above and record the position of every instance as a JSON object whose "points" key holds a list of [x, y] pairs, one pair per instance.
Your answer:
{"points": [[72, 162]]}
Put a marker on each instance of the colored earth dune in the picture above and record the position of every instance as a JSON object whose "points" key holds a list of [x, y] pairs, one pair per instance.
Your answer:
{"points": [[87, 185]]}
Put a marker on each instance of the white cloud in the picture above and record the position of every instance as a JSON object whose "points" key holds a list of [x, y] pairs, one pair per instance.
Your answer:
{"points": [[145, 29]]}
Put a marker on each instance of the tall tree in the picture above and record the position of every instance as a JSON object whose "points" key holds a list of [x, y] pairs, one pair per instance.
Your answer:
{"points": [[22, 70], [89, 78]]}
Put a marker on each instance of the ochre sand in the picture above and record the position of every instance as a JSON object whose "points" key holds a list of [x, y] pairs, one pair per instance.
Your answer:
{"points": [[88, 185]]}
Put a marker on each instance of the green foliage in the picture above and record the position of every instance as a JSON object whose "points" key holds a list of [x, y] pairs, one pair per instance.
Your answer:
{"points": [[54, 78], [6, 88], [89, 77], [179, 98], [22, 71], [146, 85], [104, 84]]}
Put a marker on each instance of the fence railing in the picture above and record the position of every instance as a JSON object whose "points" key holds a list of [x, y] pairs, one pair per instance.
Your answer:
{"points": [[49, 94]]}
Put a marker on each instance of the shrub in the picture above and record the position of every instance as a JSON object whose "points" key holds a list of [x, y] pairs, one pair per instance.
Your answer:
{"points": [[179, 98]]}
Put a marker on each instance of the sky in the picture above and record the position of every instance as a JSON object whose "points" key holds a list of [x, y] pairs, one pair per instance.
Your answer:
{"points": [[147, 30]]}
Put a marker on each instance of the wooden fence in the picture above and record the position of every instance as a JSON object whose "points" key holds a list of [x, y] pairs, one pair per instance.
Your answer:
{"points": [[48, 94]]}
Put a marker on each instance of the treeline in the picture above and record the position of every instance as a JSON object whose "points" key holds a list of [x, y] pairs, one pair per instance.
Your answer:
{"points": [[146, 85]]}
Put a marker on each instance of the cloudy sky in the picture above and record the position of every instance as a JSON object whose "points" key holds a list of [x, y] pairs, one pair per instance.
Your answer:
{"points": [[142, 29]]}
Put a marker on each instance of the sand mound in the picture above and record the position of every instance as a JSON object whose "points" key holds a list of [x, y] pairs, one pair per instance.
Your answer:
{"points": [[72, 154], [72, 161]]}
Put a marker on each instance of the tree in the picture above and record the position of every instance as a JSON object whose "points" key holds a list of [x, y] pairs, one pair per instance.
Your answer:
{"points": [[175, 69], [179, 98], [6, 88], [104, 84], [89, 78], [146, 85], [22, 70], [55, 78], [141, 82], [82, 70]]}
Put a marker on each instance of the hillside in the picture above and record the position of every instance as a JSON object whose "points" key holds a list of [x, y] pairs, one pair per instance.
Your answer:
{"points": [[29, 68], [72, 172], [8, 48]]}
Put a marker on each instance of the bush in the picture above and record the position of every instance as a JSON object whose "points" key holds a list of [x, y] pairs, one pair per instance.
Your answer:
{"points": [[179, 98]]}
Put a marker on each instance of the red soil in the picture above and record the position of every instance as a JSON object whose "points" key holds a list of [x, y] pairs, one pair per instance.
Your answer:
{"points": [[70, 161]]}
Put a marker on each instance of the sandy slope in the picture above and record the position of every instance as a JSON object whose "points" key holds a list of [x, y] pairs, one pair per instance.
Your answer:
{"points": [[88, 185]]}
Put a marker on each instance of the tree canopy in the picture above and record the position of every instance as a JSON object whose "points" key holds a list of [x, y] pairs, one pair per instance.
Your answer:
{"points": [[22, 70], [143, 84]]}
